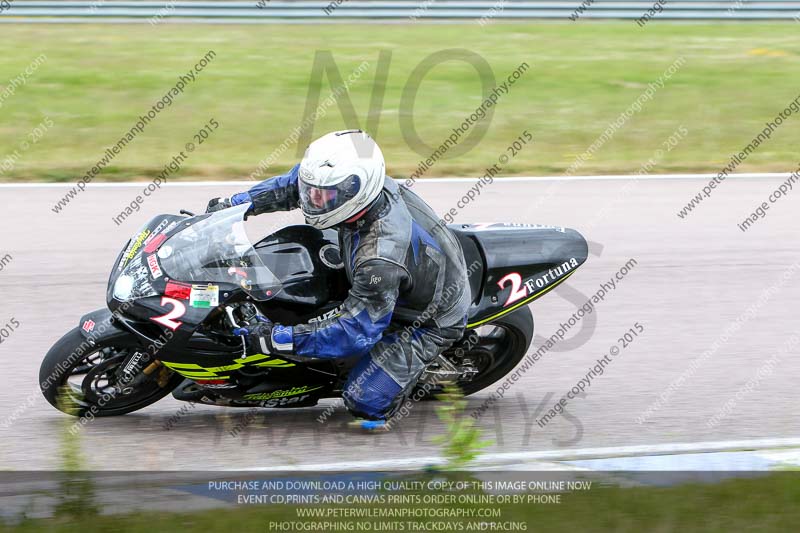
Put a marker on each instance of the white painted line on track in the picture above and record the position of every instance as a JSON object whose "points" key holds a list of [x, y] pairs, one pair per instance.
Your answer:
{"points": [[649, 177], [511, 458]]}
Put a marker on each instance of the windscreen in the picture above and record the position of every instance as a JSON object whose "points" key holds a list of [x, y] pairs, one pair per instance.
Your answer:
{"points": [[217, 249]]}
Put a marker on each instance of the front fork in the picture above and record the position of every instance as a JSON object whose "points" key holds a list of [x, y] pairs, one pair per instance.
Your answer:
{"points": [[136, 370]]}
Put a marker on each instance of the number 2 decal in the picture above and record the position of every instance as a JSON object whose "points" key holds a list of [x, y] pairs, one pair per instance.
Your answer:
{"points": [[517, 293], [168, 320]]}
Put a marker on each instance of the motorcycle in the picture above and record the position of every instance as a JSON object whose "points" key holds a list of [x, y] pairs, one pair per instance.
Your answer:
{"points": [[183, 283]]}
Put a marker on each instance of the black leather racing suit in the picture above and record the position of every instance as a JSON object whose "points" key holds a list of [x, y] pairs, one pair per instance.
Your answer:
{"points": [[408, 299]]}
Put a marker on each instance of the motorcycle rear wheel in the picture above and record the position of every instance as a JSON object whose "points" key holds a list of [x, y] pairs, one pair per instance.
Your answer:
{"points": [[501, 346]]}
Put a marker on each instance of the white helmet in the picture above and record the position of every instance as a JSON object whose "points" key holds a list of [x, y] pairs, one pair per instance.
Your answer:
{"points": [[341, 174]]}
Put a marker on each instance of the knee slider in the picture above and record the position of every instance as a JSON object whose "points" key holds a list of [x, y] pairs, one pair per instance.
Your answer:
{"points": [[375, 397]]}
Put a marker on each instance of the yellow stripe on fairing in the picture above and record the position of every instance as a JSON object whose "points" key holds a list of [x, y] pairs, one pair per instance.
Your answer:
{"points": [[198, 375], [520, 304], [275, 362], [254, 357], [183, 365], [193, 370]]}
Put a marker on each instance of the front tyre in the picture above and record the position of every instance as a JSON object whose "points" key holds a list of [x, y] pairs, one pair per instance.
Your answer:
{"points": [[78, 378]]}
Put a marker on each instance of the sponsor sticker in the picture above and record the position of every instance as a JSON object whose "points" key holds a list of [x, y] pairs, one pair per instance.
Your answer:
{"points": [[215, 383], [137, 244], [155, 269], [294, 391], [180, 291], [132, 248], [280, 402], [141, 276], [164, 227], [520, 289], [204, 296], [511, 225], [328, 314], [131, 366], [153, 244], [88, 326]]}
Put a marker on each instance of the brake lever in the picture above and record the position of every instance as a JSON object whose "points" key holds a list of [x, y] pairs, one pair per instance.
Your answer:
{"points": [[187, 213]]}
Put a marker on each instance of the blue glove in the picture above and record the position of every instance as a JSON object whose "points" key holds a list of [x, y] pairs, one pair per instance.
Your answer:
{"points": [[244, 332], [241, 198], [266, 337]]}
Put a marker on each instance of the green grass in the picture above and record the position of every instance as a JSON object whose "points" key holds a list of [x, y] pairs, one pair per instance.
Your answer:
{"points": [[98, 79], [763, 504]]}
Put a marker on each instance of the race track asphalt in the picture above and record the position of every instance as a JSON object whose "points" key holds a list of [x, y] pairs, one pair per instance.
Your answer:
{"points": [[692, 280]]}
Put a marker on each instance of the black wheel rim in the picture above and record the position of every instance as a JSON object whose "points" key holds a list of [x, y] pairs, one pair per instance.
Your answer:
{"points": [[493, 342], [94, 380]]}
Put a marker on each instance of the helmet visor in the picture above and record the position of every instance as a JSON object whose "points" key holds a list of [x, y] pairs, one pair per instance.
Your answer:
{"points": [[315, 200]]}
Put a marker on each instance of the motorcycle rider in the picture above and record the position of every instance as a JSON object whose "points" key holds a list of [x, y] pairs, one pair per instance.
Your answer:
{"points": [[404, 268]]}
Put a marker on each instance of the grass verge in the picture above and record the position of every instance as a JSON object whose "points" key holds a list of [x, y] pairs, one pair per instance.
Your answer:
{"points": [[766, 503], [97, 80]]}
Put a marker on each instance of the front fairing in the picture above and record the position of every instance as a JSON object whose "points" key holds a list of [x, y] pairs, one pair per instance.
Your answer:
{"points": [[171, 258], [176, 272], [216, 249], [137, 292], [170, 253], [131, 262]]}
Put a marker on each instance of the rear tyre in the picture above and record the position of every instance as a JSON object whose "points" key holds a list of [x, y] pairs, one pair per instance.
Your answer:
{"points": [[502, 345], [78, 379]]}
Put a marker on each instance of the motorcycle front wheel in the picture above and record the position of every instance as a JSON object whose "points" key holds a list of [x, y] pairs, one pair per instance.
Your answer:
{"points": [[79, 379]]}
